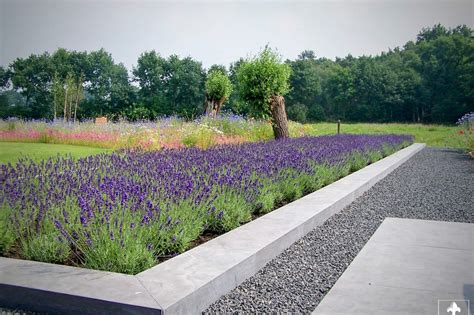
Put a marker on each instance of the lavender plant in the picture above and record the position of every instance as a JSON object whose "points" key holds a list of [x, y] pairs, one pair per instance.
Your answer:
{"points": [[467, 120], [123, 211]]}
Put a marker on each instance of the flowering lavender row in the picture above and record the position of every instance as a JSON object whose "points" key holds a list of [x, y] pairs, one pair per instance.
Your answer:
{"points": [[121, 211], [467, 119]]}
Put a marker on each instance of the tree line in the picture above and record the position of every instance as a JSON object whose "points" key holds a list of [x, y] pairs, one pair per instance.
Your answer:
{"points": [[427, 80]]}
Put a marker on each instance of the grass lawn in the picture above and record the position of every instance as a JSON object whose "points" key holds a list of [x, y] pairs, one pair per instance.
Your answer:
{"points": [[12, 151], [432, 135]]}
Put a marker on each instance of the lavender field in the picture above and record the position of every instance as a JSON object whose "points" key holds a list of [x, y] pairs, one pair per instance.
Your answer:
{"points": [[125, 211]]}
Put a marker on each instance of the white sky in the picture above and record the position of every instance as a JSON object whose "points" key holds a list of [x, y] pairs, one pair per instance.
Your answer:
{"points": [[220, 31]]}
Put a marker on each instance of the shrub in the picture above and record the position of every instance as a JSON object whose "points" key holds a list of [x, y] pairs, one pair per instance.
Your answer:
{"points": [[298, 112], [316, 113]]}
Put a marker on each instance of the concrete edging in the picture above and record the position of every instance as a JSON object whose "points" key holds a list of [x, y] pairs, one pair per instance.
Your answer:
{"points": [[190, 282]]}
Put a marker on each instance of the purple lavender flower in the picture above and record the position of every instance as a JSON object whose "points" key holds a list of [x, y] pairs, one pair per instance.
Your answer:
{"points": [[160, 193]]}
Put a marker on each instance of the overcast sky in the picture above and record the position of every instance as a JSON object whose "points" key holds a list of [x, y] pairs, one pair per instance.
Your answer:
{"points": [[220, 31]]}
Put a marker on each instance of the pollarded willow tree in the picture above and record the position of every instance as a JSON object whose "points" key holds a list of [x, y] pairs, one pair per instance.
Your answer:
{"points": [[263, 81], [218, 90]]}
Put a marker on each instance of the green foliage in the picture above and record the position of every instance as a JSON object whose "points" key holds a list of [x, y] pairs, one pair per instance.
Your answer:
{"points": [[137, 113], [357, 161], [218, 85], [305, 80], [429, 80], [260, 78], [129, 257], [230, 210], [46, 248], [270, 195], [39, 78], [7, 236], [32, 77], [170, 86], [149, 74], [4, 78], [316, 113], [375, 156], [297, 112]]}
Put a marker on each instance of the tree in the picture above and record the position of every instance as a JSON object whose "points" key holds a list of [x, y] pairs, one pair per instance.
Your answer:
{"points": [[150, 74], [67, 94], [263, 81], [235, 102], [32, 77], [339, 90], [4, 78], [58, 94], [447, 58], [305, 81], [170, 86], [307, 55], [107, 87], [298, 112], [218, 90], [184, 86]]}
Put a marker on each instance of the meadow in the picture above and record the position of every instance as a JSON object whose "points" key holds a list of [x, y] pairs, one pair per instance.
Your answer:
{"points": [[173, 132], [164, 133], [126, 210], [433, 135]]}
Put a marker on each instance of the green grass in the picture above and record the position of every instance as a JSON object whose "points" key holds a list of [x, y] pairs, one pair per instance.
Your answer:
{"points": [[432, 135], [12, 151]]}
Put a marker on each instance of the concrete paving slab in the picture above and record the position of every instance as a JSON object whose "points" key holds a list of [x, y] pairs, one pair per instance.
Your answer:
{"points": [[427, 233], [405, 268], [354, 299]]}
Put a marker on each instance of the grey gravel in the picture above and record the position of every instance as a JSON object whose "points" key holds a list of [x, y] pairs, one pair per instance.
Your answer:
{"points": [[436, 184]]}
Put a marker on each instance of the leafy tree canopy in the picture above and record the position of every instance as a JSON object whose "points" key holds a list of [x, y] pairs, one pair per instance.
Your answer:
{"points": [[218, 85], [262, 77]]}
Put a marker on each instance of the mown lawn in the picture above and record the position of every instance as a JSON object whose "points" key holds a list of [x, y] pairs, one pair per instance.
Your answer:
{"points": [[12, 151], [432, 135]]}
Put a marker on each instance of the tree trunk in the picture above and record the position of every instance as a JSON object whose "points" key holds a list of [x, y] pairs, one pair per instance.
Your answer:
{"points": [[208, 106], [75, 107], [218, 105], [279, 120], [212, 107], [65, 104]]}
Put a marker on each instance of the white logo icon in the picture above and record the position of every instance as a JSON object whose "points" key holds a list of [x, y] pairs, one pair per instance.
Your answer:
{"points": [[453, 308]]}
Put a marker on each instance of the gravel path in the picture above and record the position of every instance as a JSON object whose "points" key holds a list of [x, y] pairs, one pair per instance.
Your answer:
{"points": [[436, 184]]}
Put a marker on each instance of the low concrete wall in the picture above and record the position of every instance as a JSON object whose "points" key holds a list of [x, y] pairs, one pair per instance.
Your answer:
{"points": [[190, 282]]}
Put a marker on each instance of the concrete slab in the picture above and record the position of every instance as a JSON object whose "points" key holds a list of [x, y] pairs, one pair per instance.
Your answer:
{"points": [[405, 268], [190, 282]]}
